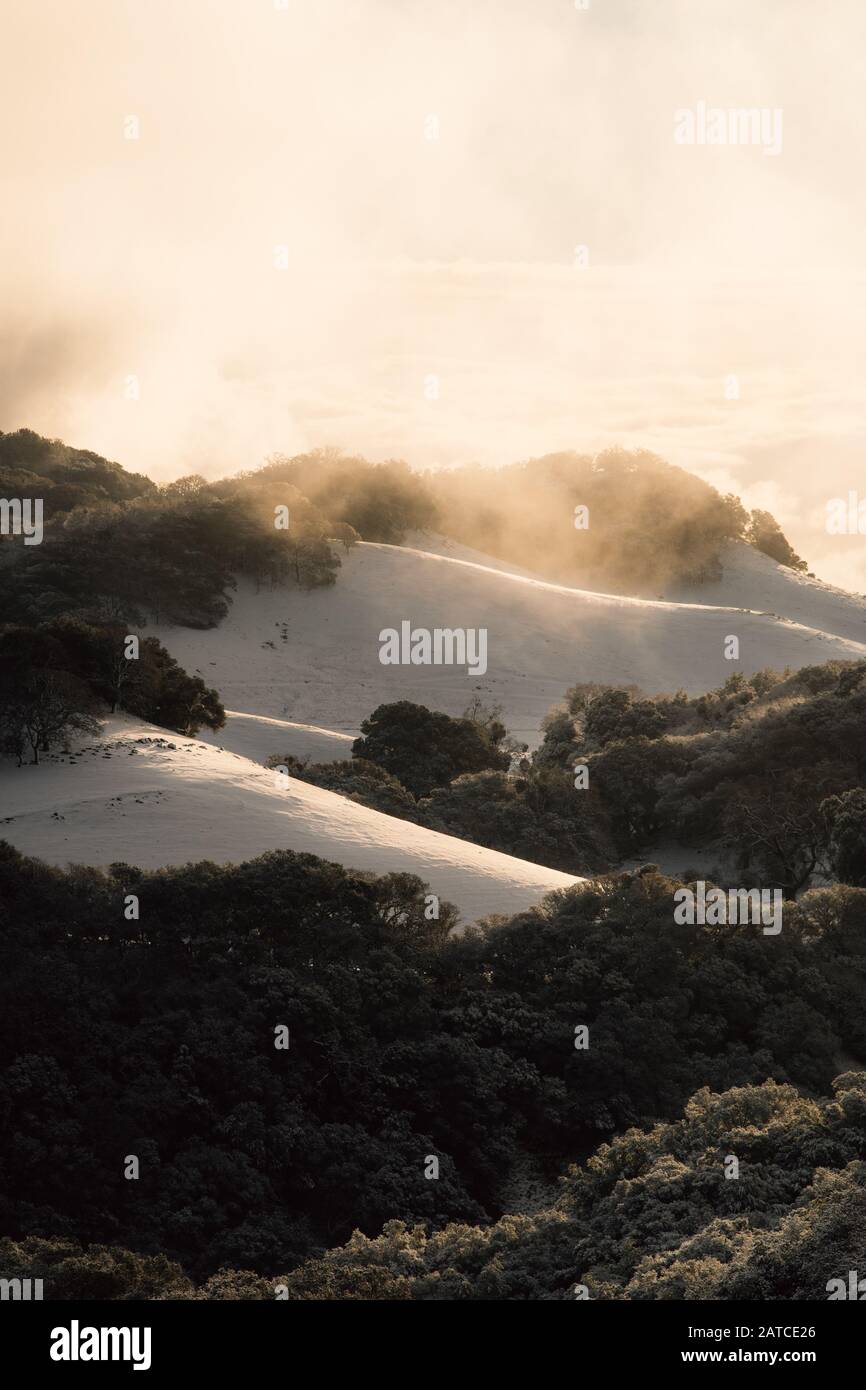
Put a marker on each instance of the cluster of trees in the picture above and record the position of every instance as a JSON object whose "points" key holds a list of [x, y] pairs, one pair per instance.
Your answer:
{"points": [[56, 678], [455, 775], [651, 1215], [156, 1037], [172, 553], [649, 523], [424, 749], [167, 554], [768, 770], [379, 501], [64, 477]]}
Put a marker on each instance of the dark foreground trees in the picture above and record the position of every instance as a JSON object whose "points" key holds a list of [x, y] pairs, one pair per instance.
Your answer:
{"points": [[155, 1037], [845, 819], [653, 1215]]}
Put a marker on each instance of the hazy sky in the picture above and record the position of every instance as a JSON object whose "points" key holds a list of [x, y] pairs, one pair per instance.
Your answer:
{"points": [[409, 258]]}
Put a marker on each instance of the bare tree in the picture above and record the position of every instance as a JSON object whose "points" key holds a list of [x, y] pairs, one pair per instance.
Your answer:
{"points": [[775, 823], [47, 705]]}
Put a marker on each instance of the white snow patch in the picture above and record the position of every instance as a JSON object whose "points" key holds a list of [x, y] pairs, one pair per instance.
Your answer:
{"points": [[753, 580], [313, 658], [257, 737], [141, 795]]}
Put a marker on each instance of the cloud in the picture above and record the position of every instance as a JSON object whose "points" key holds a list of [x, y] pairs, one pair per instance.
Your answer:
{"points": [[408, 258]]}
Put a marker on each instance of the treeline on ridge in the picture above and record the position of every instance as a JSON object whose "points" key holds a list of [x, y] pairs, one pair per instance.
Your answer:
{"points": [[650, 523], [172, 553], [166, 554]]}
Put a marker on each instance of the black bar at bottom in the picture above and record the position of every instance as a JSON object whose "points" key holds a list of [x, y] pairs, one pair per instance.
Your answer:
{"points": [[171, 1338]]}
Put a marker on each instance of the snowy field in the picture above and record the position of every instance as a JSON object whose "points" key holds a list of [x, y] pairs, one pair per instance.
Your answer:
{"points": [[140, 795], [312, 659], [299, 671]]}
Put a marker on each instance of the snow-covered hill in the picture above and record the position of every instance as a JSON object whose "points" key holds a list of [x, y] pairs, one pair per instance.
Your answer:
{"points": [[313, 658], [299, 671], [142, 796], [255, 736], [750, 579]]}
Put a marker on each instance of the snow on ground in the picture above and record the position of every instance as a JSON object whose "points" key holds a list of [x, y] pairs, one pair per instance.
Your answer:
{"points": [[312, 658], [299, 671], [256, 737], [140, 795], [435, 544], [753, 580]]}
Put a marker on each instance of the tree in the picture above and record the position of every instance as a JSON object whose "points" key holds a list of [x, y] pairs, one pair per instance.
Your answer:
{"points": [[40, 702], [161, 691], [346, 534], [102, 669], [765, 534], [560, 746], [845, 818], [424, 749], [53, 705], [314, 564], [628, 777], [611, 714], [776, 823]]}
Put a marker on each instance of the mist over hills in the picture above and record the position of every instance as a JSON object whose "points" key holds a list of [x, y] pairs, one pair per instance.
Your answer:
{"points": [[622, 521], [269, 593], [541, 638], [224, 815]]}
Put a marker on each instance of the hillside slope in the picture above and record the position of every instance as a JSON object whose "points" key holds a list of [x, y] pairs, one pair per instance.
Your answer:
{"points": [[748, 575], [142, 796], [256, 737], [313, 658]]}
